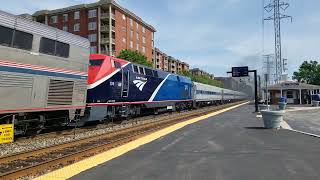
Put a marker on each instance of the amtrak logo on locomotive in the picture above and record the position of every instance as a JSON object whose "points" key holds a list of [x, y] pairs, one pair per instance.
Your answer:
{"points": [[140, 82]]}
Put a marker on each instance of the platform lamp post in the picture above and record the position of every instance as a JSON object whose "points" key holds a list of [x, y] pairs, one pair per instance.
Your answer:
{"points": [[244, 72]]}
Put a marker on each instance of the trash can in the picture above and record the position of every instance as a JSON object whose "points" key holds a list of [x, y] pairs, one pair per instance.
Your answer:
{"points": [[263, 107], [282, 103], [315, 103], [272, 119]]}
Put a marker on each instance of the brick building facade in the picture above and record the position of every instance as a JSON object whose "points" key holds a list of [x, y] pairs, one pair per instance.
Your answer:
{"points": [[109, 27], [169, 63], [199, 72]]}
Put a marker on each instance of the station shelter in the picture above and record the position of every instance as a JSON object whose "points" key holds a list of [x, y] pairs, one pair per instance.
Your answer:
{"points": [[295, 92]]}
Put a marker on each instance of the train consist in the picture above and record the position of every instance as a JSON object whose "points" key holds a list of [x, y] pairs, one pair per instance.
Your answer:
{"points": [[47, 80]]}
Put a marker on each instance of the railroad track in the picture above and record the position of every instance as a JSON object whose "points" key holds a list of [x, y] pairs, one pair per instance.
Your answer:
{"points": [[37, 162]]}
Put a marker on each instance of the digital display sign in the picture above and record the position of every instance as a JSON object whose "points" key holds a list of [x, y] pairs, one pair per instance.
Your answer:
{"points": [[240, 71]]}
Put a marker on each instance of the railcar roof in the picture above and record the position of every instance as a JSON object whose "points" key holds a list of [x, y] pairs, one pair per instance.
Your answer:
{"points": [[33, 27]]}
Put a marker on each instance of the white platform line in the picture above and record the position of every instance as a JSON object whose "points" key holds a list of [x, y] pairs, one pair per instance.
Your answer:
{"points": [[285, 125], [306, 133]]}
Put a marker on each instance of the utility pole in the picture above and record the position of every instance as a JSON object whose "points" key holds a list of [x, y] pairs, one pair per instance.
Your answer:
{"points": [[277, 6]]}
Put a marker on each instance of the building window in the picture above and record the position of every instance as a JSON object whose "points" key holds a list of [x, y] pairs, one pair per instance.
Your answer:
{"points": [[123, 17], [123, 29], [144, 39], [143, 49], [76, 27], [92, 37], [65, 28], [131, 34], [131, 44], [143, 30], [54, 19], [92, 25], [77, 15], [131, 22], [93, 49], [92, 13], [137, 47], [138, 36], [65, 17], [137, 26], [124, 40]]}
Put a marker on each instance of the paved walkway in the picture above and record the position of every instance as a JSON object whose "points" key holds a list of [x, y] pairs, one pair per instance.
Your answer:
{"points": [[304, 120], [228, 146]]}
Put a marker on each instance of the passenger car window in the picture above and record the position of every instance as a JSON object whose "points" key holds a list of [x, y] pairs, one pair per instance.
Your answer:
{"points": [[62, 49], [47, 46], [5, 36], [55, 48], [22, 40]]}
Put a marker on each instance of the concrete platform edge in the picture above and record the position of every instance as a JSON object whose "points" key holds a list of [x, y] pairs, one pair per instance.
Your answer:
{"points": [[74, 169]]}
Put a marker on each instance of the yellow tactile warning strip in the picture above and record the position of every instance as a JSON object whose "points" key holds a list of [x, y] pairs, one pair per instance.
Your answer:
{"points": [[74, 169]]}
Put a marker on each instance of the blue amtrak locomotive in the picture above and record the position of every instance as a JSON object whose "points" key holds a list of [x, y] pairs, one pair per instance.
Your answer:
{"points": [[120, 88]]}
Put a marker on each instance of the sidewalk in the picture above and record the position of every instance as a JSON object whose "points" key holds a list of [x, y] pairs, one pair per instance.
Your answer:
{"points": [[231, 145]]}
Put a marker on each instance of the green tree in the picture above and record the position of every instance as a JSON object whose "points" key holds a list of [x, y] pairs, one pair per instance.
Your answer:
{"points": [[134, 56], [202, 79], [309, 72]]}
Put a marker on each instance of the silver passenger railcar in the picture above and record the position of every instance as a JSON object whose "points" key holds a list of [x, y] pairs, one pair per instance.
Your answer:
{"points": [[206, 94], [43, 74]]}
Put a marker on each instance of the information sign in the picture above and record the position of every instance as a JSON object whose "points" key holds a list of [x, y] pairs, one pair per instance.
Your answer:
{"points": [[240, 71]]}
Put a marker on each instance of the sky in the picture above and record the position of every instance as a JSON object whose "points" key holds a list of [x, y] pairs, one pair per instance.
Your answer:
{"points": [[215, 35]]}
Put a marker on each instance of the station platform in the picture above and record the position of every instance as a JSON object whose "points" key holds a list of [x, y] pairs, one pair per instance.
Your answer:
{"points": [[229, 146]]}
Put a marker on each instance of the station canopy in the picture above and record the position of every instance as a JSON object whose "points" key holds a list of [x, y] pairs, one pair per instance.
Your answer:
{"points": [[292, 85]]}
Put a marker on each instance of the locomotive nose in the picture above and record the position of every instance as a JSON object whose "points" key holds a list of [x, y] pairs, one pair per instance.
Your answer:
{"points": [[93, 70]]}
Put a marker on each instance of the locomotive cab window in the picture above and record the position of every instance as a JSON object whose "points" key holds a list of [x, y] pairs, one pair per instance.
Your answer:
{"points": [[155, 73], [148, 72], [117, 64], [141, 70], [6, 35], [96, 62], [135, 69]]}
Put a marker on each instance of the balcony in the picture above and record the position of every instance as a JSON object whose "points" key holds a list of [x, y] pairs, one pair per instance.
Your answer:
{"points": [[113, 53], [107, 41], [105, 28], [105, 16]]}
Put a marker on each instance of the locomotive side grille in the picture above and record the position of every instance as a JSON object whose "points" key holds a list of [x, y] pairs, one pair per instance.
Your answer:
{"points": [[80, 88], [15, 80], [60, 92]]}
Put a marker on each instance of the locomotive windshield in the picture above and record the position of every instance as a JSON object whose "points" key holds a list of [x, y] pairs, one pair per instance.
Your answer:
{"points": [[96, 62]]}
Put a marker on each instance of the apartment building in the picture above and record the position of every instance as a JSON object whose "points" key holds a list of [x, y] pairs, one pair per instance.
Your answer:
{"points": [[161, 61], [169, 63], [109, 27], [199, 72]]}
